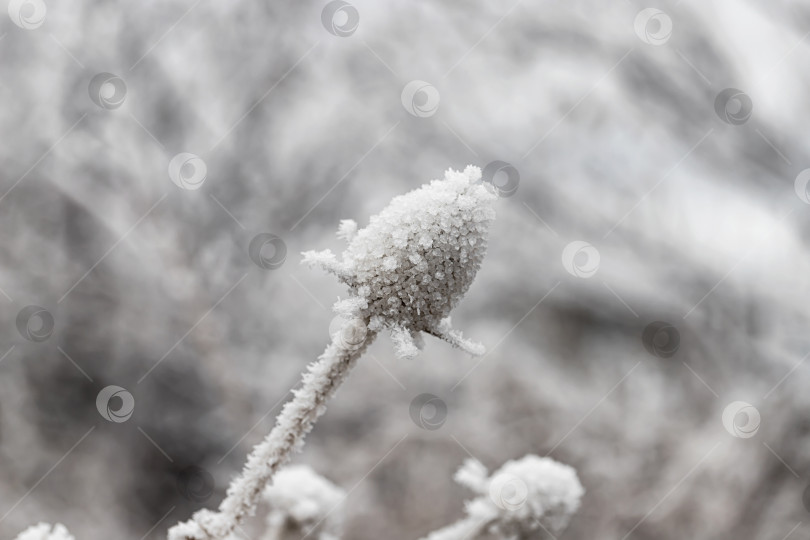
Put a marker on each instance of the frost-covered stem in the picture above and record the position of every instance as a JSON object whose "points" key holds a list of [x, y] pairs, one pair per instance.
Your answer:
{"points": [[296, 419]]}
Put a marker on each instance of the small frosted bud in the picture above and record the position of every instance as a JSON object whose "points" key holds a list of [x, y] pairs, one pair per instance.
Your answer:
{"points": [[534, 490], [304, 503], [526, 498], [46, 531]]}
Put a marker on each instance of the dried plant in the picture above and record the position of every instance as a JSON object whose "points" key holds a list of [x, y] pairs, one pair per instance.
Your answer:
{"points": [[405, 272]]}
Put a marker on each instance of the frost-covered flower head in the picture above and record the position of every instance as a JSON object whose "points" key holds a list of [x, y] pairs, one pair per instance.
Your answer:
{"points": [[415, 260], [523, 497], [301, 500], [46, 531], [406, 270]]}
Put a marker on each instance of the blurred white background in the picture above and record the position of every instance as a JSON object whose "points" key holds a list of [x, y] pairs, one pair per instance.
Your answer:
{"points": [[612, 119]]}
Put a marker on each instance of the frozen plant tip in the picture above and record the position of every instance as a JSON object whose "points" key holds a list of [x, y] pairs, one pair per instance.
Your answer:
{"points": [[303, 504], [526, 498], [46, 531], [415, 260], [405, 271]]}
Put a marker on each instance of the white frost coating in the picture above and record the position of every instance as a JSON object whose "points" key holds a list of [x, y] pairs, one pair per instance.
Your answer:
{"points": [[319, 383], [46, 531], [525, 498], [406, 270], [415, 260], [304, 503]]}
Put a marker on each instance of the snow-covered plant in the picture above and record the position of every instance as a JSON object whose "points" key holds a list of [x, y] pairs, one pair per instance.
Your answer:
{"points": [[303, 504], [405, 271], [415, 260], [45, 531], [525, 498]]}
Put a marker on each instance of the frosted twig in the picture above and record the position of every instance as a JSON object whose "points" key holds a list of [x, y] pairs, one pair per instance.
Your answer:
{"points": [[319, 383]]}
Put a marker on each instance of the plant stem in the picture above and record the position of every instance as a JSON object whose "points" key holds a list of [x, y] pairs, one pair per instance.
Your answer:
{"points": [[318, 385]]}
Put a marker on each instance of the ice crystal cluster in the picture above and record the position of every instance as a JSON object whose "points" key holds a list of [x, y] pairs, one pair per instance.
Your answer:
{"points": [[415, 260], [303, 503], [46, 531], [525, 498]]}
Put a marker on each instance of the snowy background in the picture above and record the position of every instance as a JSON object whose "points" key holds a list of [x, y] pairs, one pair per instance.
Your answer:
{"points": [[694, 205]]}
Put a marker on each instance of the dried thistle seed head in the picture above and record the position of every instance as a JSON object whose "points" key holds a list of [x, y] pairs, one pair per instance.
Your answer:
{"points": [[523, 496], [415, 260]]}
